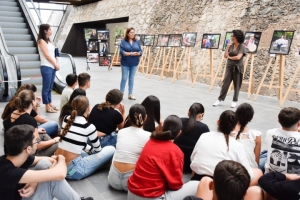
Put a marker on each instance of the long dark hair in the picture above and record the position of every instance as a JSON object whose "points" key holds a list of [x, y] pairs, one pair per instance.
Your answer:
{"points": [[43, 32], [79, 106], [126, 37], [23, 100], [137, 114], [172, 126], [152, 106], [67, 108], [227, 121], [113, 97], [195, 109], [11, 105], [245, 114]]}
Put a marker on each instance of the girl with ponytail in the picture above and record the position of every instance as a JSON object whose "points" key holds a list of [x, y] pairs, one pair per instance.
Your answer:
{"points": [[108, 116], [158, 171], [82, 159], [23, 103], [251, 139], [131, 141], [215, 146], [192, 129]]}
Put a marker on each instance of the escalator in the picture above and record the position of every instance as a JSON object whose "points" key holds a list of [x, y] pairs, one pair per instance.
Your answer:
{"points": [[20, 34], [5, 93]]}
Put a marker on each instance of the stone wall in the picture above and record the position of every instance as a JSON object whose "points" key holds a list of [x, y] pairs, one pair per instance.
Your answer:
{"points": [[206, 16]]}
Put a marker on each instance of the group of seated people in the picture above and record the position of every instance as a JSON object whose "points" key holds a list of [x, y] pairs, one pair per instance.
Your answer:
{"points": [[148, 155]]}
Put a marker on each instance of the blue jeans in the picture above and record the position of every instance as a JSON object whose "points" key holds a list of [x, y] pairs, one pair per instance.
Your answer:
{"points": [[48, 75], [84, 165], [51, 127], [109, 140], [262, 160], [125, 71]]}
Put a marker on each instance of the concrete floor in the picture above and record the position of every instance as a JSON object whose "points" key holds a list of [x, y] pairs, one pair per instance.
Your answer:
{"points": [[175, 98]]}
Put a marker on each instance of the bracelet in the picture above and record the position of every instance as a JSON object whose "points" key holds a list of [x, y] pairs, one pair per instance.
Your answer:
{"points": [[55, 141]]}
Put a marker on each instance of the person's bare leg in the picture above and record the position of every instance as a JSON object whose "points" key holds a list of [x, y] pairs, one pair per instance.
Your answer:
{"points": [[203, 190], [254, 192], [257, 174]]}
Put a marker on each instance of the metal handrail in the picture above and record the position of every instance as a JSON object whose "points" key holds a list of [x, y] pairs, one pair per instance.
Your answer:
{"points": [[5, 76], [40, 18], [13, 57]]}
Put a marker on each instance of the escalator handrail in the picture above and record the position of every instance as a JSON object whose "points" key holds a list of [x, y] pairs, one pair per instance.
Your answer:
{"points": [[72, 61], [5, 75], [14, 58]]}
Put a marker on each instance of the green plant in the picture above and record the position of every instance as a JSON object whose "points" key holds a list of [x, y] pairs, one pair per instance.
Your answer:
{"points": [[119, 32]]}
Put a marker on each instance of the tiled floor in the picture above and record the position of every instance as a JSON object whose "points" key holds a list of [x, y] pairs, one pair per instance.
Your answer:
{"points": [[175, 99]]}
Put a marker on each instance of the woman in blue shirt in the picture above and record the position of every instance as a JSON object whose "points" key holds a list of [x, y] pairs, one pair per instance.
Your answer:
{"points": [[130, 50]]}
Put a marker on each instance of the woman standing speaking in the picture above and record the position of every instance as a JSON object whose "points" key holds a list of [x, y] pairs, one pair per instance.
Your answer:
{"points": [[49, 65], [130, 50], [235, 67]]}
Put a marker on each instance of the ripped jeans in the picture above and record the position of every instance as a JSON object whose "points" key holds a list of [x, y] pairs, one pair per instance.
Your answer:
{"points": [[85, 164]]}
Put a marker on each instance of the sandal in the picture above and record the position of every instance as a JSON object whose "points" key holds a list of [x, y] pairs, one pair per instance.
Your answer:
{"points": [[54, 108], [50, 110]]}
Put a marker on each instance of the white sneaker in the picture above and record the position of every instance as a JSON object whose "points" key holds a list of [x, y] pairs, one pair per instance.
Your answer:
{"points": [[217, 103], [131, 97], [233, 104]]}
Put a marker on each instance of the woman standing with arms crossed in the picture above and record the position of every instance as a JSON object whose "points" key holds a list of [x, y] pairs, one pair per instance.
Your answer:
{"points": [[49, 65], [235, 67], [130, 50]]}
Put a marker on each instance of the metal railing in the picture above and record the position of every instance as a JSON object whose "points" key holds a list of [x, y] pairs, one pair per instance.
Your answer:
{"points": [[12, 62], [3, 76]]}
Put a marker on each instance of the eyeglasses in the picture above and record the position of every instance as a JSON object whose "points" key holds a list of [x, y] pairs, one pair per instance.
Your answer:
{"points": [[38, 141]]}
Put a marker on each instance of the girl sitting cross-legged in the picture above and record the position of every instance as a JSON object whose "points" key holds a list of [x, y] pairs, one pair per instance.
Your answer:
{"points": [[81, 159]]}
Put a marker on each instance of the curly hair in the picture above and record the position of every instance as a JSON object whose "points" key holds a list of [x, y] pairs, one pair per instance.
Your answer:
{"points": [[239, 35], [113, 97]]}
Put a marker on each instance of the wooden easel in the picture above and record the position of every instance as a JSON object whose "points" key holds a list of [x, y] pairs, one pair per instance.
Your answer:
{"points": [[185, 56], [160, 56], [209, 58], [289, 89], [171, 63], [223, 63], [145, 60], [281, 60], [115, 59]]}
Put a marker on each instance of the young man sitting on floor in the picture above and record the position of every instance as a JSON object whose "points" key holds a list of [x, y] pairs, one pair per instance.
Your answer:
{"points": [[45, 181], [230, 181]]}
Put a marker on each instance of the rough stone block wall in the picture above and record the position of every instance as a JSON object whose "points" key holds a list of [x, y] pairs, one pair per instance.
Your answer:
{"points": [[205, 16]]}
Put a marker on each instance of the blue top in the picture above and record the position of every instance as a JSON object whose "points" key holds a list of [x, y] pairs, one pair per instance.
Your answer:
{"points": [[125, 46]]}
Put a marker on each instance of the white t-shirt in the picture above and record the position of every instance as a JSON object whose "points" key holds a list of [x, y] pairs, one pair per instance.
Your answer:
{"points": [[130, 143], [211, 149], [283, 151], [65, 96], [248, 141]]}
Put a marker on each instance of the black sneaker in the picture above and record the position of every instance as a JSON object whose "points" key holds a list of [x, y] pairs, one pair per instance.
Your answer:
{"points": [[87, 198]]}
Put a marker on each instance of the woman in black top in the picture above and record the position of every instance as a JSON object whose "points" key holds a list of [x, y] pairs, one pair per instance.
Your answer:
{"points": [[192, 129], [24, 102], [235, 52]]}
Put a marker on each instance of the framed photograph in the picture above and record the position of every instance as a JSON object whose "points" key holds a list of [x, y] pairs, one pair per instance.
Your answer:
{"points": [[92, 57], [175, 40], [189, 39], [210, 41], [103, 35], [252, 41], [90, 33], [140, 38], [104, 60], [149, 40], [103, 48], [92, 45], [281, 42], [227, 40], [162, 40], [118, 41]]}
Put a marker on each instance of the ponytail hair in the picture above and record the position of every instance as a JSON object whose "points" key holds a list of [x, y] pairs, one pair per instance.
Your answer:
{"points": [[137, 114], [227, 121], [245, 114], [23, 100], [113, 97], [195, 109], [79, 106], [172, 126]]}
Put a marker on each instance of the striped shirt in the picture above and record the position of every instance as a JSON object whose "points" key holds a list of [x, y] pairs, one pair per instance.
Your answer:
{"points": [[76, 138]]}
